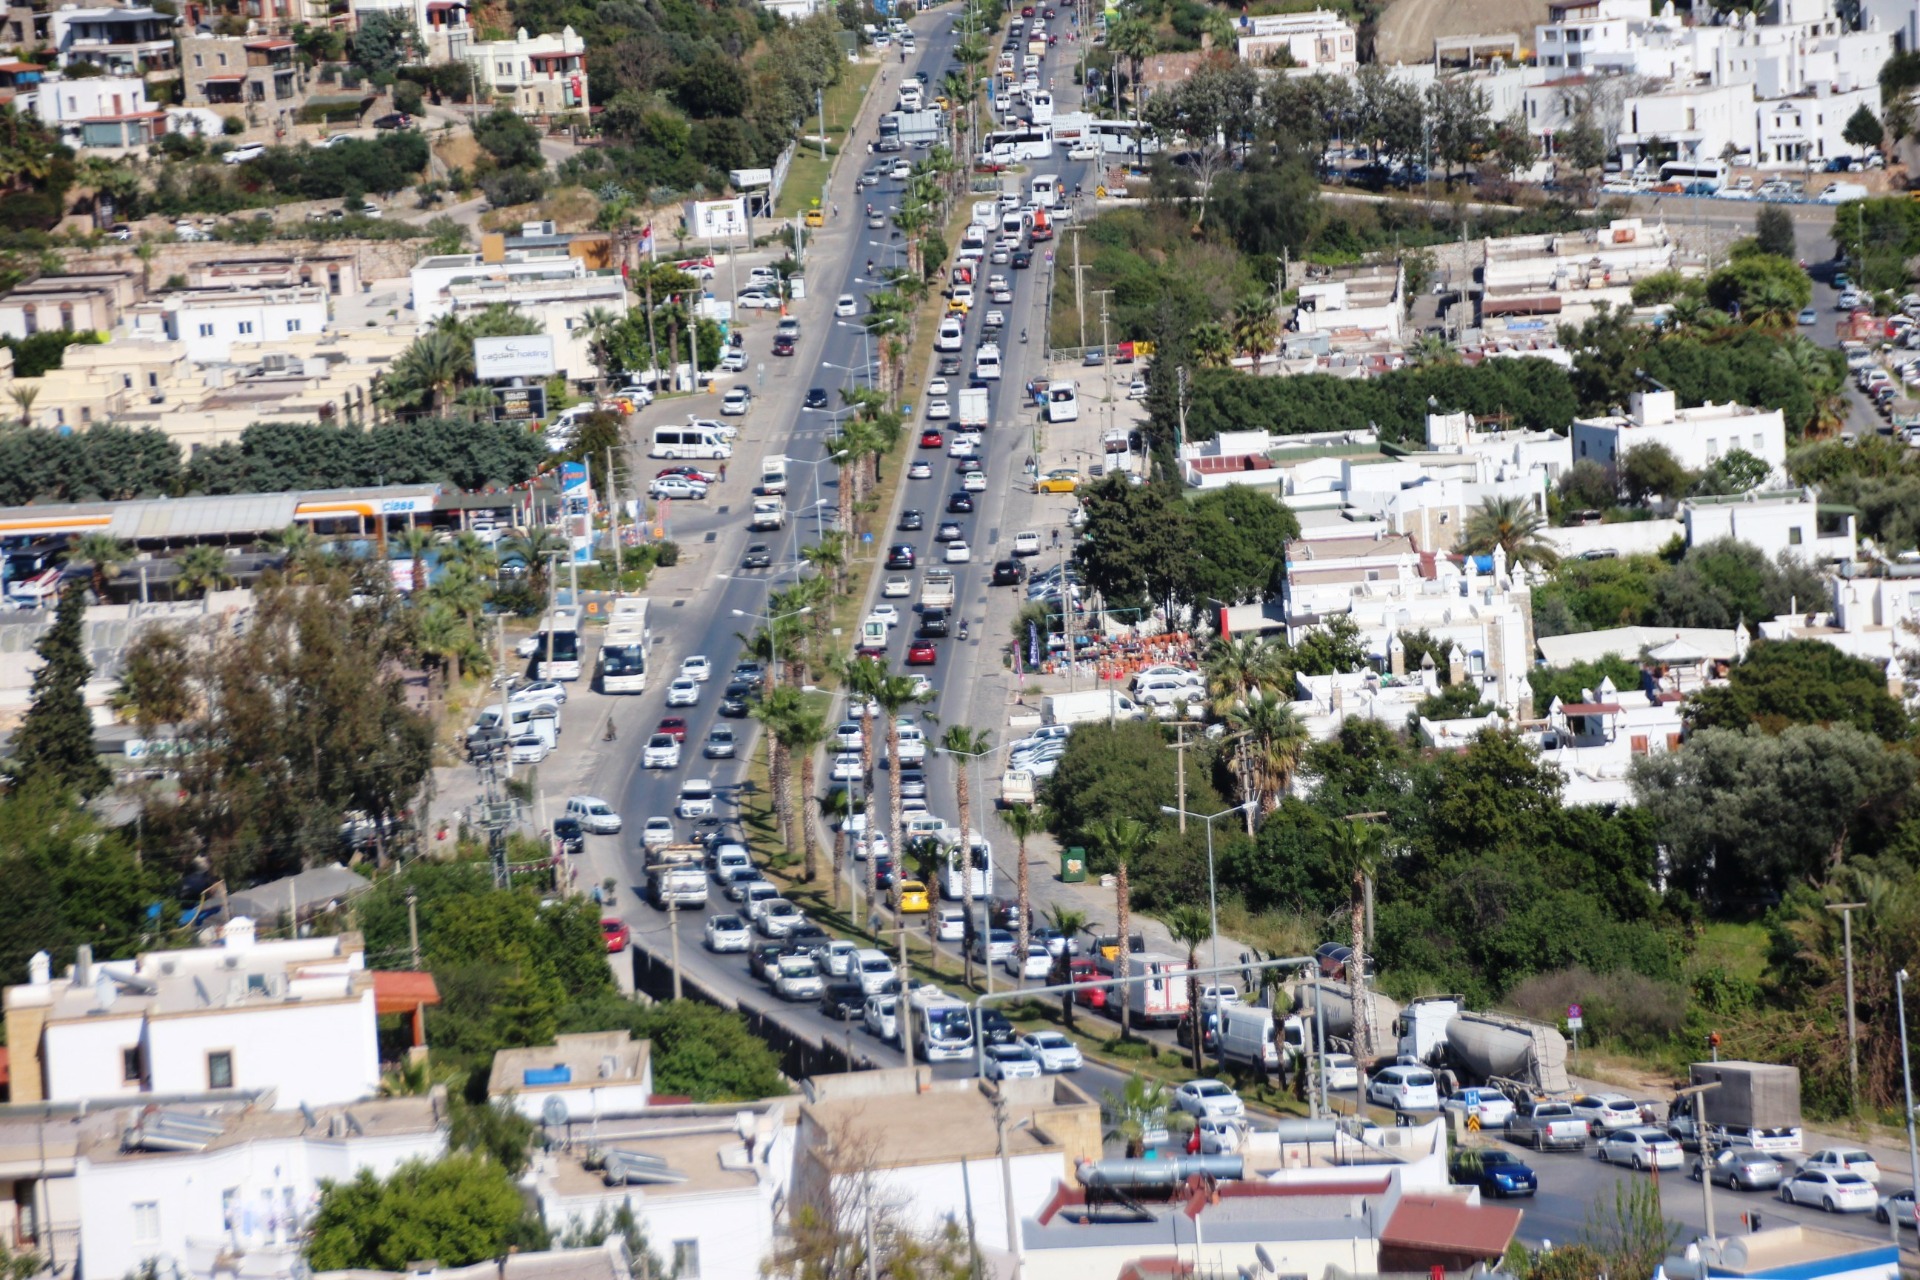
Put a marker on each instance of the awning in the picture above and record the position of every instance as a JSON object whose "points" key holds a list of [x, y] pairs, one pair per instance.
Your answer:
{"points": [[221, 79], [1591, 709], [1676, 650], [403, 990], [1548, 305], [303, 892]]}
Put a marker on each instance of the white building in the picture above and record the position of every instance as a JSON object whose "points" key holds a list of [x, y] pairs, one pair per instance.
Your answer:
{"points": [[1808, 127], [129, 41], [289, 1023], [1568, 275], [1697, 437], [1594, 742], [591, 1074], [1306, 43], [99, 111], [435, 279], [542, 75], [214, 1191], [1790, 521], [1689, 121], [560, 304], [210, 322], [1363, 302], [444, 30], [1871, 618]]}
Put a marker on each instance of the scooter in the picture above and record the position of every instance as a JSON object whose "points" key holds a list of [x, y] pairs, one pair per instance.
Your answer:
{"points": [[963, 628]]}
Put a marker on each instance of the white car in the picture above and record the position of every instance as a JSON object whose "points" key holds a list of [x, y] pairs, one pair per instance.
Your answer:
{"points": [[696, 667], [1608, 1111], [696, 798], [938, 387], [594, 815], [873, 970], [1026, 543], [1012, 1062], [956, 553], [896, 588], [733, 361], [847, 305], [189, 234], [1137, 389], [849, 736], [1648, 1148], [1405, 1088], [1341, 1071], [885, 614], [846, 767], [1085, 151], [728, 932], [757, 300], [1055, 1051], [657, 834], [1213, 996], [683, 693], [798, 979], [1208, 1098], [678, 487], [961, 447], [939, 410], [530, 748], [777, 918], [1490, 1107], [974, 482], [835, 955], [952, 926], [539, 690], [738, 400], [920, 470], [1844, 1160], [1038, 963], [242, 154], [1836, 1192], [661, 752]]}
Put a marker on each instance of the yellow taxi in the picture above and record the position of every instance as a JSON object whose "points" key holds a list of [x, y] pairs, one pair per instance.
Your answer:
{"points": [[913, 898], [815, 218], [1065, 480]]}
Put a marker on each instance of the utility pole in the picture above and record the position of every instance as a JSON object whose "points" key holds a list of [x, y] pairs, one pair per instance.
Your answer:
{"points": [[673, 936], [413, 927], [1079, 295], [1106, 353], [1906, 1075], [1179, 748], [1699, 1094], [1846, 910], [904, 1019], [613, 521]]}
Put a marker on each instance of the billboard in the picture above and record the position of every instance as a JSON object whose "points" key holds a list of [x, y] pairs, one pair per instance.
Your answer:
{"points": [[527, 356], [716, 219], [520, 403]]}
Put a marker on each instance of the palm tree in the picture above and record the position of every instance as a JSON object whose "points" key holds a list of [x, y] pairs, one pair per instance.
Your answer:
{"points": [[1141, 1105], [467, 549], [780, 703], [439, 637], [963, 744], [103, 554], [1121, 840], [416, 541], [536, 548], [1023, 820], [863, 678], [431, 368], [1068, 923], [462, 591], [800, 728], [1826, 385], [1513, 525], [834, 808], [200, 570], [828, 557], [1133, 39], [1211, 344], [599, 324], [1430, 349], [23, 397], [1255, 327], [1190, 925], [1240, 666], [1356, 854], [299, 547], [1275, 739]]}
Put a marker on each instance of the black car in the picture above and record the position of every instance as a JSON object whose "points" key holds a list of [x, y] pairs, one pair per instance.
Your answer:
{"points": [[764, 960], [759, 556], [394, 120], [806, 936], [567, 831], [899, 556], [738, 697], [949, 366], [1022, 259], [995, 1028], [882, 864], [960, 504], [912, 522], [816, 398], [843, 1001], [1209, 1035], [1008, 573], [934, 624]]}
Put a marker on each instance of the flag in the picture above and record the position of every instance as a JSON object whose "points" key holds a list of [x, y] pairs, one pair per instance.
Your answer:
{"points": [[646, 240]]}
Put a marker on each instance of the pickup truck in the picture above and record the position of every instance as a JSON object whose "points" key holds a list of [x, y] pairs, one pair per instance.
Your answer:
{"points": [[1548, 1125], [936, 589]]}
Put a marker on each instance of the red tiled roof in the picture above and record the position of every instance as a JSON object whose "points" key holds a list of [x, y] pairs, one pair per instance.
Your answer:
{"points": [[402, 991], [1443, 1224]]}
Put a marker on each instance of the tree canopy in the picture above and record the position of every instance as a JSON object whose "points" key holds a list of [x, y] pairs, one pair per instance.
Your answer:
{"points": [[1783, 682], [457, 1210]]}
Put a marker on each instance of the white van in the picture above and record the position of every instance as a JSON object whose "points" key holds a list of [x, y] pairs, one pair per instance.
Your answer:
{"points": [[691, 440], [952, 335], [986, 362], [1012, 223]]}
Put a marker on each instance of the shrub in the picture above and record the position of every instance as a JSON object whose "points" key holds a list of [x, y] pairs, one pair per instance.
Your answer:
{"points": [[1630, 1009], [233, 125], [666, 554]]}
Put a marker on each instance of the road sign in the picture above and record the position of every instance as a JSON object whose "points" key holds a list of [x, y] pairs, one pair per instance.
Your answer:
{"points": [[1573, 1011]]}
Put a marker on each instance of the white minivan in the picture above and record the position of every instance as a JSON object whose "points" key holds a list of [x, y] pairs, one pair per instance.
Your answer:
{"points": [[1405, 1088], [951, 336]]}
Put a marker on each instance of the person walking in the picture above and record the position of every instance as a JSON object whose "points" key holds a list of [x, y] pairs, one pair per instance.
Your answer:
{"points": [[723, 473]]}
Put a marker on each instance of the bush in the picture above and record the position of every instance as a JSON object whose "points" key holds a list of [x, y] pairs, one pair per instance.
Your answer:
{"points": [[666, 554], [233, 126], [514, 186], [408, 98], [1629, 1009]]}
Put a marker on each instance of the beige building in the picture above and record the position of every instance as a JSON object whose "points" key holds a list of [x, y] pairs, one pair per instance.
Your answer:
{"points": [[73, 303], [258, 74]]}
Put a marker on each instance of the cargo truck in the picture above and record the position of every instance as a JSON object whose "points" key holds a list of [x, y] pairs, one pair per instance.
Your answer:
{"points": [[1757, 1105], [622, 662], [920, 128], [768, 513], [936, 589], [1483, 1047], [973, 411], [676, 876], [1089, 706], [773, 474]]}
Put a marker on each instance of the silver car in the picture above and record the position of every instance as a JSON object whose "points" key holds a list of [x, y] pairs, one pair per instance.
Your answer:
{"points": [[1743, 1169]]}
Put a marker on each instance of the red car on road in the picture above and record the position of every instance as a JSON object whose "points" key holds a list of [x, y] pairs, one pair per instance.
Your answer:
{"points": [[932, 440], [674, 725], [921, 653], [616, 934]]}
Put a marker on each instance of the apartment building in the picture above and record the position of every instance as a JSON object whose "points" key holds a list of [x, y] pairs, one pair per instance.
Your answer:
{"points": [[110, 111], [262, 74], [542, 75], [1697, 437], [1299, 43], [68, 303], [134, 41], [211, 321]]}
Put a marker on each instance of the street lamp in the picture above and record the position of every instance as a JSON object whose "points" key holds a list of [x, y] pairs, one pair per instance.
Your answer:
{"points": [[866, 338], [1906, 1074], [1213, 896], [773, 635], [819, 529]]}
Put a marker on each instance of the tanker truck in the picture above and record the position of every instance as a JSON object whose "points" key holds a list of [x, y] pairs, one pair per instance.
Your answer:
{"points": [[1335, 1002], [1481, 1047]]}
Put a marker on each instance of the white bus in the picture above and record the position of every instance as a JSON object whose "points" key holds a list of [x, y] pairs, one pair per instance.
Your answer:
{"points": [[558, 657], [1122, 137], [1045, 190], [1708, 174], [953, 878], [1063, 402], [691, 440], [1034, 142], [1041, 106], [622, 664]]}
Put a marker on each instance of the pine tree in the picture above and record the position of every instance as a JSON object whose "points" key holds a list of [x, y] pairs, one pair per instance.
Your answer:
{"points": [[55, 744]]}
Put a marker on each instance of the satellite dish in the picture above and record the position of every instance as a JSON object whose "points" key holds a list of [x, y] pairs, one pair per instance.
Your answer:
{"points": [[1266, 1259], [554, 1112]]}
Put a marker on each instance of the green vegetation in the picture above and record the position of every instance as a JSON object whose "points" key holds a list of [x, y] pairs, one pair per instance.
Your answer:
{"points": [[458, 1210], [54, 748], [1716, 584], [1809, 682], [35, 356], [1879, 478]]}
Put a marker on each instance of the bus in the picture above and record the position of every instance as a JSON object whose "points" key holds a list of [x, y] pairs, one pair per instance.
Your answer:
{"points": [[691, 440], [1063, 402], [1040, 106], [622, 664], [558, 657], [1122, 137], [1034, 142], [1696, 177], [1044, 191]]}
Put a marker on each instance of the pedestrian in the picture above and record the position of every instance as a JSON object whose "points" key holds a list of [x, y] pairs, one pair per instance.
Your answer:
{"points": [[723, 473], [836, 208]]}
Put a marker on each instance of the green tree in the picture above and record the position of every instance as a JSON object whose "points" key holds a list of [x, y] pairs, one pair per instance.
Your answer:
{"points": [[384, 41], [1735, 471], [1333, 648], [1652, 471], [1773, 233], [1190, 926], [1588, 486], [1069, 923], [1139, 550], [964, 745], [508, 139], [103, 554], [1763, 289], [494, 1130], [1782, 682], [1719, 583], [1239, 536], [70, 881], [1583, 145], [1863, 129], [54, 746], [457, 1210], [1023, 821], [1140, 1106], [1511, 526], [200, 570]]}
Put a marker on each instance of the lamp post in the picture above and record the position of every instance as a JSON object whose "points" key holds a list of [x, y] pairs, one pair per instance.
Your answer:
{"points": [[773, 634], [1846, 910], [1699, 1093], [819, 527], [1906, 1075], [866, 338], [1213, 896]]}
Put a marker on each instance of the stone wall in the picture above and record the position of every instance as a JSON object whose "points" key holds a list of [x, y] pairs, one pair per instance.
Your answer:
{"points": [[373, 259]]}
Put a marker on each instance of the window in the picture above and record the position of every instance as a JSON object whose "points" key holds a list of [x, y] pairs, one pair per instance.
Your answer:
{"points": [[220, 1069], [1793, 536], [206, 331], [153, 381], [222, 57], [686, 1259], [293, 326], [130, 1064], [1757, 446], [146, 1222], [197, 61], [245, 326]]}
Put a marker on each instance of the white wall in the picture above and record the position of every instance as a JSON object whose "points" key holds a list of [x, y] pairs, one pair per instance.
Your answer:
{"points": [[927, 1196], [314, 1052], [1774, 525], [622, 1098], [209, 330], [70, 101], [83, 1059]]}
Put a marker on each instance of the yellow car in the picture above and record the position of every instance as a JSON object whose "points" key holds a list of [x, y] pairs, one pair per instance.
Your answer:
{"points": [[1065, 481], [913, 897], [815, 218]]}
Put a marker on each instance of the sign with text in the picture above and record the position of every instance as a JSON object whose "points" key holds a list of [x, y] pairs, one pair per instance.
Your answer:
{"points": [[520, 404], [524, 356]]}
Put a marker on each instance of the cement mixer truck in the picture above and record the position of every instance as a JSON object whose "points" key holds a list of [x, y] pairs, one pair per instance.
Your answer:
{"points": [[1481, 1048], [1333, 1000]]}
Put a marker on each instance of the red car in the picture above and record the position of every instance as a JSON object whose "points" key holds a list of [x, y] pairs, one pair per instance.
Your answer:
{"points": [[616, 934], [783, 346], [675, 726], [1088, 990], [931, 439], [691, 473], [921, 653], [1027, 12]]}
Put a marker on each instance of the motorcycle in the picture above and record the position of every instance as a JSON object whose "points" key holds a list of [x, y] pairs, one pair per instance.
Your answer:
{"points": [[963, 629]]}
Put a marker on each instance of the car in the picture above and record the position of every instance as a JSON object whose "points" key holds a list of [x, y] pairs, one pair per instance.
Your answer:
{"points": [[757, 300], [880, 1017], [674, 725], [572, 838], [931, 438], [896, 587], [393, 120], [1208, 1098], [1834, 1191], [690, 472], [884, 613], [696, 799], [594, 814], [999, 257], [1642, 1147], [727, 933], [1405, 1088], [877, 220], [913, 898], [816, 398], [783, 345], [683, 693], [1094, 358], [737, 401], [657, 833], [974, 481], [1084, 151], [733, 360], [949, 366], [798, 979], [1489, 1106], [1844, 1160], [1007, 573], [921, 470], [848, 736], [938, 387], [962, 447], [1061, 480], [695, 666], [1341, 1070], [998, 945], [834, 955], [846, 767], [1497, 1173], [763, 959], [939, 410], [243, 153], [949, 531], [616, 933], [1137, 389], [759, 556], [1022, 259], [1212, 996], [774, 916], [900, 556], [1055, 1052], [995, 319], [1011, 1062], [1606, 1111], [721, 743], [911, 521], [739, 882], [1896, 1207], [957, 553], [1026, 543], [1744, 1169], [846, 305], [529, 748], [679, 487], [1809, 316], [960, 504], [1038, 963], [661, 752], [843, 999]]}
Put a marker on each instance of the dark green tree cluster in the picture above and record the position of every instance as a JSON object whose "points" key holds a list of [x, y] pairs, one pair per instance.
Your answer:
{"points": [[459, 1209], [103, 463], [1879, 478], [348, 169], [36, 355], [54, 751], [1716, 584], [1147, 545], [36, 170], [1783, 682]]}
